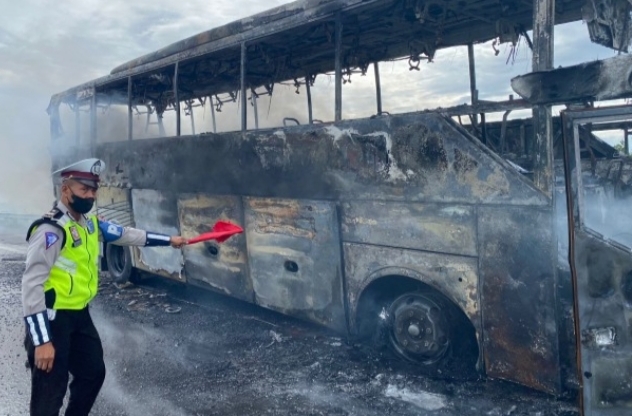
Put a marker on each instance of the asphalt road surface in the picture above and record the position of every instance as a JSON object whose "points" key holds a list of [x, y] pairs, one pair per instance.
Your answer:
{"points": [[176, 351]]}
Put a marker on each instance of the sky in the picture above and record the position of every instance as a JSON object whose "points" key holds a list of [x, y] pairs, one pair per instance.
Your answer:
{"points": [[47, 47]]}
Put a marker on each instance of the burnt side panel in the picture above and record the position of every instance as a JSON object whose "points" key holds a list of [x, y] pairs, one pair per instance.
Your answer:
{"points": [[157, 212], [429, 227], [420, 157], [223, 267], [604, 274], [517, 273], [294, 258]]}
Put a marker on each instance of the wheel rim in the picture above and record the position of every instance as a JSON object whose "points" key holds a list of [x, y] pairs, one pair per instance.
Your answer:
{"points": [[419, 330]]}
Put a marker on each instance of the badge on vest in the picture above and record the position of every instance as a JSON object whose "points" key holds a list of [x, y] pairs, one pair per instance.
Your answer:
{"points": [[90, 226], [76, 238]]}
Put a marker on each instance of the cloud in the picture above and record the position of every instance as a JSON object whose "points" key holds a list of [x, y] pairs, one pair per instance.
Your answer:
{"points": [[7, 77]]}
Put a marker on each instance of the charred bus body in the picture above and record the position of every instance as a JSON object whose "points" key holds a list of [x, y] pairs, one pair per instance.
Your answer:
{"points": [[411, 226]]}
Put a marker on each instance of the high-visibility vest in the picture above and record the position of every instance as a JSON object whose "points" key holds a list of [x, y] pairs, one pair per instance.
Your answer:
{"points": [[74, 278]]}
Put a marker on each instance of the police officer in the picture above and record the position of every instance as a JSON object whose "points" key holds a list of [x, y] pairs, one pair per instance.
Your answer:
{"points": [[60, 280]]}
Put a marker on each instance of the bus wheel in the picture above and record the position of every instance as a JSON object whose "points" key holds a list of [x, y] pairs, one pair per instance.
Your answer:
{"points": [[419, 329], [119, 261]]}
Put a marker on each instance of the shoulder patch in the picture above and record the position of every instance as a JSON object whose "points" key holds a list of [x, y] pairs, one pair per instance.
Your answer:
{"points": [[51, 238]]}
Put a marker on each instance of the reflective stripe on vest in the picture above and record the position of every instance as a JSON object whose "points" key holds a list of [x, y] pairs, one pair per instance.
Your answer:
{"points": [[75, 274]]}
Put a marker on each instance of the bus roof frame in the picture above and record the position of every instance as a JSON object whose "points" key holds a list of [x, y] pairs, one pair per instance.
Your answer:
{"points": [[435, 24]]}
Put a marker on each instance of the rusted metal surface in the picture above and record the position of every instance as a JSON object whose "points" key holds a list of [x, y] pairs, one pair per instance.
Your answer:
{"points": [[414, 157], [479, 16], [270, 17], [609, 23], [295, 260], [518, 296], [473, 90], [157, 211], [338, 67], [176, 95], [222, 267], [243, 82], [482, 106], [419, 197], [606, 79], [601, 270], [517, 149], [529, 341], [543, 36], [428, 227], [606, 187], [605, 296], [378, 87]]}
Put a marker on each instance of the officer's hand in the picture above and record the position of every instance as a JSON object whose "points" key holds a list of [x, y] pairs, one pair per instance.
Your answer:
{"points": [[44, 357], [177, 241]]}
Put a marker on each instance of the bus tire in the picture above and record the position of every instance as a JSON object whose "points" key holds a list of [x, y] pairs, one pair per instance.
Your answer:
{"points": [[119, 263], [419, 329]]}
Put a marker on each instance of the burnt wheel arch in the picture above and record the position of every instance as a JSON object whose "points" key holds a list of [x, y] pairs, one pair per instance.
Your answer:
{"points": [[374, 322]]}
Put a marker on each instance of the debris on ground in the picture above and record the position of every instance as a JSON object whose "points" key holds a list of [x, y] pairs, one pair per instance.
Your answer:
{"points": [[276, 338], [141, 300], [173, 309], [175, 352]]}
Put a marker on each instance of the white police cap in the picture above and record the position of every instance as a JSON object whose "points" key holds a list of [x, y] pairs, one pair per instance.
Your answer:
{"points": [[86, 171]]}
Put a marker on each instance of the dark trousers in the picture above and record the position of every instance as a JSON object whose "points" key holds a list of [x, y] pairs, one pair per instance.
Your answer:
{"points": [[78, 351]]}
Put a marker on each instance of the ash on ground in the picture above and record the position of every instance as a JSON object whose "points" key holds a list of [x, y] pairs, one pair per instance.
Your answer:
{"points": [[174, 350]]}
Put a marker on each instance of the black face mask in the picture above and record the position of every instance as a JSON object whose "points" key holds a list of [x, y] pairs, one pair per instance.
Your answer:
{"points": [[81, 205]]}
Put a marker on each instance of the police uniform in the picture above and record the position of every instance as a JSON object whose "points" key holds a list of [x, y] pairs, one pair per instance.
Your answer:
{"points": [[60, 281]]}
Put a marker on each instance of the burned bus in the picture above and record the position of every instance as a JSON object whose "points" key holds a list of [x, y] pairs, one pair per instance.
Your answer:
{"points": [[415, 230]]}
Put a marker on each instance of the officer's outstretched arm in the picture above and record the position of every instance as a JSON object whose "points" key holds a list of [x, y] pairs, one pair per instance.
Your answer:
{"points": [[127, 236], [43, 250]]}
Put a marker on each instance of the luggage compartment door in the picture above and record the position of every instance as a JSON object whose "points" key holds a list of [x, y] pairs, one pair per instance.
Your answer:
{"points": [[223, 267], [294, 254]]}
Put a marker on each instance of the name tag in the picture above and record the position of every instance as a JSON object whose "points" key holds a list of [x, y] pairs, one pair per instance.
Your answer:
{"points": [[90, 226], [76, 238]]}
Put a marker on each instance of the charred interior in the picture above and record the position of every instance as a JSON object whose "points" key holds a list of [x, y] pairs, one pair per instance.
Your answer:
{"points": [[514, 140]]}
